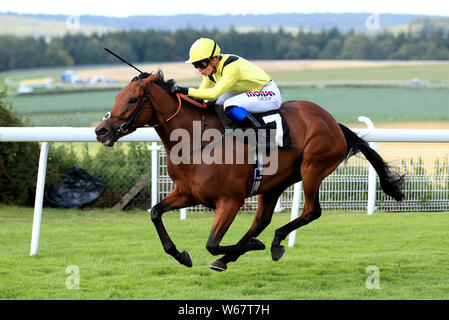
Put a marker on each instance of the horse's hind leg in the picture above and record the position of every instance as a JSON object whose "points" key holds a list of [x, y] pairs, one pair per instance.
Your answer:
{"points": [[265, 208], [173, 200], [312, 177], [308, 215], [224, 216]]}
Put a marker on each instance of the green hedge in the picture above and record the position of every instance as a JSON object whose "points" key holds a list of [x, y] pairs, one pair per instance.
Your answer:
{"points": [[18, 161]]}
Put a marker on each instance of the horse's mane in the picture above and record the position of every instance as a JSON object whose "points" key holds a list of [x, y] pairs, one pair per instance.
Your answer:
{"points": [[168, 85], [164, 84]]}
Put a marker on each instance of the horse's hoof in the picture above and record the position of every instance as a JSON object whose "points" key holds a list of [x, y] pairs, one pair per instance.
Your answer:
{"points": [[218, 265], [260, 245], [277, 252], [256, 244], [185, 258]]}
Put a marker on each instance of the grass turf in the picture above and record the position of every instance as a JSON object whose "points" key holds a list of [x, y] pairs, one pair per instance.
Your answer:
{"points": [[119, 256]]}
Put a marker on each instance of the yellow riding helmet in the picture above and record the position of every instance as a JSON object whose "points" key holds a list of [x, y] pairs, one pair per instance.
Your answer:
{"points": [[203, 48]]}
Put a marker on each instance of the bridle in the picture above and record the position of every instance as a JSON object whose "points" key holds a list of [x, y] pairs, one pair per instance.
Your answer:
{"points": [[130, 121]]}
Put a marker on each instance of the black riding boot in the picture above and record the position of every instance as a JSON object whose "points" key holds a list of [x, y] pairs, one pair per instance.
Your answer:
{"points": [[256, 124], [264, 142]]}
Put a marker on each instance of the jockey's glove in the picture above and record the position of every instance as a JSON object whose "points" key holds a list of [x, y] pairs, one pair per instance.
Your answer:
{"points": [[178, 89]]}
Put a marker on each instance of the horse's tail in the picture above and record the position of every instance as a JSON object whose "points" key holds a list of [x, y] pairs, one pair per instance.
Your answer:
{"points": [[390, 182]]}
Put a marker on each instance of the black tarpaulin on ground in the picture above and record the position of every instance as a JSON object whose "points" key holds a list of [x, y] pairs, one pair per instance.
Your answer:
{"points": [[76, 189]]}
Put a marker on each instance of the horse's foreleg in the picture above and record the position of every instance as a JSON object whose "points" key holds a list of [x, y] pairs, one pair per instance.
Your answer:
{"points": [[265, 208], [174, 200]]}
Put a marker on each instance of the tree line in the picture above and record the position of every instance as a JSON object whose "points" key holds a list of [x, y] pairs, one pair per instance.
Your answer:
{"points": [[157, 46]]}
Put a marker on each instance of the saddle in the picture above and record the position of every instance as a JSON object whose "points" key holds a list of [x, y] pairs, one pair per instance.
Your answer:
{"points": [[270, 120]]}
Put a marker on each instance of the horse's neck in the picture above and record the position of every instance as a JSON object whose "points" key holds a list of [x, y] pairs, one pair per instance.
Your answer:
{"points": [[184, 120]]}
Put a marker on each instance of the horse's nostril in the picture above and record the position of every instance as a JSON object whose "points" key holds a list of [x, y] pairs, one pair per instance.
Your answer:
{"points": [[101, 131]]}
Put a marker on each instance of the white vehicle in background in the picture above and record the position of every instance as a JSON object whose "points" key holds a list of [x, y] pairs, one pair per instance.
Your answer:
{"points": [[70, 76], [25, 89], [30, 85], [97, 80]]}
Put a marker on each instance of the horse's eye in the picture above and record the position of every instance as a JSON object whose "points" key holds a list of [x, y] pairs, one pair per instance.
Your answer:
{"points": [[107, 116], [132, 100]]}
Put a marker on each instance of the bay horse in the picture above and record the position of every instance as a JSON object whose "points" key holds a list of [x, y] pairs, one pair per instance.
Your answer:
{"points": [[319, 145]]}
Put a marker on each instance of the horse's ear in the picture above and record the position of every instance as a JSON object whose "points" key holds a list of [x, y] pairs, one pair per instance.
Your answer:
{"points": [[151, 78], [142, 76]]}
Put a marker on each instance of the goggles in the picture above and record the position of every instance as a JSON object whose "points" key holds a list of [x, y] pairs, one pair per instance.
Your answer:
{"points": [[202, 64]]}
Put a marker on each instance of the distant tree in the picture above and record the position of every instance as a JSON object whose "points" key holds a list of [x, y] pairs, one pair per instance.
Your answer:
{"points": [[430, 42], [356, 46], [55, 55], [332, 50], [383, 47]]}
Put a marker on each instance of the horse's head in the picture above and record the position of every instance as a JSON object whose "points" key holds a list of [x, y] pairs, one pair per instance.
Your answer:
{"points": [[133, 108]]}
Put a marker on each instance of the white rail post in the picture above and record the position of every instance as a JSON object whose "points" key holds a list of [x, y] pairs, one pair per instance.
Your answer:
{"points": [[183, 214], [154, 175], [39, 200], [154, 178], [372, 176], [278, 207], [295, 211]]}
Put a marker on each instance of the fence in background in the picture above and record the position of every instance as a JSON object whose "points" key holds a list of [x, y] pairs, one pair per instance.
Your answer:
{"points": [[430, 192], [426, 185]]}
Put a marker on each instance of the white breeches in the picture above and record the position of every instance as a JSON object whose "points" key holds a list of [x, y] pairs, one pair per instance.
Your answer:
{"points": [[263, 100]]}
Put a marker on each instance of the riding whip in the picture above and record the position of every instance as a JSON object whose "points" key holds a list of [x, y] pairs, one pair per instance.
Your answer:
{"points": [[120, 58]]}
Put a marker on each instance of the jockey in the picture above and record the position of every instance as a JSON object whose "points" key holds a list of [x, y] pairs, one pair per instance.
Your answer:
{"points": [[237, 84]]}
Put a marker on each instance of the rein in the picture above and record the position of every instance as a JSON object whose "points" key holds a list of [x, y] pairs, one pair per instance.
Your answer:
{"points": [[182, 97]]}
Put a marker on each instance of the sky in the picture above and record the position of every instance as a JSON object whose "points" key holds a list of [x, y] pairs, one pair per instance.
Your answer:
{"points": [[172, 7]]}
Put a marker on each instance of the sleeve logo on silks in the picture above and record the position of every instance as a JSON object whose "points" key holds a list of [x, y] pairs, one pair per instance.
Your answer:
{"points": [[262, 95]]}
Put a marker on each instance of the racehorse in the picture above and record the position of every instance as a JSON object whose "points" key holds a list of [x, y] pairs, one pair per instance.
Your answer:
{"points": [[318, 145]]}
